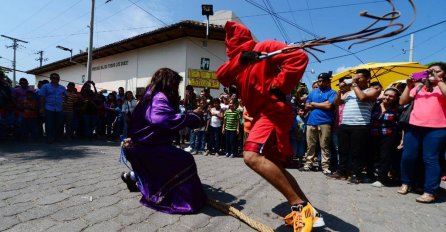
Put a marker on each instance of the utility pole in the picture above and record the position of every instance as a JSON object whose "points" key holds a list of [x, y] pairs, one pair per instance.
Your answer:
{"points": [[411, 48], [40, 57], [90, 44], [14, 46]]}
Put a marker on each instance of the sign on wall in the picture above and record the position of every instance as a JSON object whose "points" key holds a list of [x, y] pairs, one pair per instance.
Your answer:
{"points": [[203, 78], [205, 63], [111, 65]]}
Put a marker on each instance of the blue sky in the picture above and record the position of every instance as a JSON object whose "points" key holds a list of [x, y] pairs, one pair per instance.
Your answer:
{"points": [[48, 23]]}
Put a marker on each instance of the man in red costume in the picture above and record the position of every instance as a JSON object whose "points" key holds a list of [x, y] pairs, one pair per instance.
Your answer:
{"points": [[263, 85]]}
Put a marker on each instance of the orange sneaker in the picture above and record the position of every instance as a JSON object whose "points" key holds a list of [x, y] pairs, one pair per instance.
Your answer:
{"points": [[301, 218]]}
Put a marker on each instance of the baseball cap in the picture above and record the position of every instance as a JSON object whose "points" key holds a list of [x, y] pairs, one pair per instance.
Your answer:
{"points": [[324, 76]]}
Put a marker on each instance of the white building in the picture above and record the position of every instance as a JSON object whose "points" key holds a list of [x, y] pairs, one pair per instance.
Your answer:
{"points": [[131, 62]]}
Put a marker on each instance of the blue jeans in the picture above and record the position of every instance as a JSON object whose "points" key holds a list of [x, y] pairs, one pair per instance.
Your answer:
{"points": [[433, 142], [53, 124], [200, 141], [192, 135]]}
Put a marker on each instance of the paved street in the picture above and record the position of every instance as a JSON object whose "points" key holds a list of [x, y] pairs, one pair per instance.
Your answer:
{"points": [[76, 187]]}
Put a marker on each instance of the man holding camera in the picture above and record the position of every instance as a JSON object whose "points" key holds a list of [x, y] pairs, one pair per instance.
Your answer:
{"points": [[354, 128]]}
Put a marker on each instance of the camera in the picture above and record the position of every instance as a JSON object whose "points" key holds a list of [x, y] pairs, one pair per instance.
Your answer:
{"points": [[420, 75]]}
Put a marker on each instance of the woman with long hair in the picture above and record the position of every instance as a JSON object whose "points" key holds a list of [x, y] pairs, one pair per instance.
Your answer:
{"points": [[166, 176], [385, 135], [426, 130]]}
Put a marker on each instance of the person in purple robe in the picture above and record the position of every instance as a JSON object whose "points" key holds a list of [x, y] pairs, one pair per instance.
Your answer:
{"points": [[165, 175]]}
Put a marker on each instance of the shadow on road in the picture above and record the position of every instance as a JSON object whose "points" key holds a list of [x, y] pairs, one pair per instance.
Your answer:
{"points": [[57, 151], [221, 196], [332, 223]]}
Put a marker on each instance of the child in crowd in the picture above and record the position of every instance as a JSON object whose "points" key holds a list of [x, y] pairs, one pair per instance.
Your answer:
{"points": [[30, 116], [231, 128], [215, 127], [200, 140], [110, 114], [300, 130], [118, 124]]}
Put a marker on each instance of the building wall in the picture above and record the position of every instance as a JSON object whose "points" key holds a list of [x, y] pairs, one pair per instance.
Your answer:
{"points": [[134, 68], [215, 51]]}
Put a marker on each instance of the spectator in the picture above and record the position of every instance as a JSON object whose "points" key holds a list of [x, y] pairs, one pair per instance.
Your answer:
{"points": [[426, 131], [128, 107], [118, 124], [68, 109], [344, 88], [200, 139], [215, 127], [110, 115], [207, 95], [30, 117], [354, 130], [121, 94], [51, 100], [320, 102], [385, 135], [231, 129]]}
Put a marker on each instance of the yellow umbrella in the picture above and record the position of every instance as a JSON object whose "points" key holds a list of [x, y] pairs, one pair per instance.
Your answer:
{"points": [[385, 73]]}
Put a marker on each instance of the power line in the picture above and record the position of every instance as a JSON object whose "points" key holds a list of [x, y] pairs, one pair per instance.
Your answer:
{"points": [[192, 41], [388, 41], [40, 59], [14, 47], [294, 19], [57, 16], [303, 29], [309, 16], [30, 17], [278, 23]]}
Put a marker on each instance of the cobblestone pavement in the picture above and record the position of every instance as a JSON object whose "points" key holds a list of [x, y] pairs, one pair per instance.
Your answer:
{"points": [[76, 187]]}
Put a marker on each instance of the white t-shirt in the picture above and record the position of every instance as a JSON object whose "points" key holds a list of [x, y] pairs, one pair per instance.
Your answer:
{"points": [[215, 121]]}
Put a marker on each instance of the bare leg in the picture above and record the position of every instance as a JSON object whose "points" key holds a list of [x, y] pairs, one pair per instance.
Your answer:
{"points": [[295, 186], [275, 174]]}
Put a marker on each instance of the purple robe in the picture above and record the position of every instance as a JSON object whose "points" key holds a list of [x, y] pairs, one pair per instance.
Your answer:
{"points": [[168, 178]]}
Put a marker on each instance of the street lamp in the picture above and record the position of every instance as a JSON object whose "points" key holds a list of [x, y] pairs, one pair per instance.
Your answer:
{"points": [[71, 53], [207, 9]]}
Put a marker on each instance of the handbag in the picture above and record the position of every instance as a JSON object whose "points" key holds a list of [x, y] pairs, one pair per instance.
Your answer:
{"points": [[405, 114]]}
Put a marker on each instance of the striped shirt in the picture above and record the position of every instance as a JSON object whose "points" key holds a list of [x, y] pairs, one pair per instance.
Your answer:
{"points": [[356, 112], [68, 102], [232, 119]]}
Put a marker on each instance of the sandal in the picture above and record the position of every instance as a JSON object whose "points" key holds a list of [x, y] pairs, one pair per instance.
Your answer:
{"points": [[404, 189], [426, 198]]}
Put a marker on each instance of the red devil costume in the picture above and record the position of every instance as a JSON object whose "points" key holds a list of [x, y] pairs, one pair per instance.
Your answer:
{"points": [[262, 85]]}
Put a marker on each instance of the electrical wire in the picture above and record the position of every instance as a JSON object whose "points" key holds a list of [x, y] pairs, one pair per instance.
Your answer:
{"points": [[303, 29], [278, 23], [54, 18], [385, 42], [30, 16], [192, 41]]}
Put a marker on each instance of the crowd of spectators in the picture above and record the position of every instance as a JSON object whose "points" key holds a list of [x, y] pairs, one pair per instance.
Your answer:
{"points": [[353, 134], [55, 113]]}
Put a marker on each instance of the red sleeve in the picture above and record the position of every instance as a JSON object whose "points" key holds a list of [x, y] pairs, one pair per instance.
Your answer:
{"points": [[292, 66], [227, 72]]}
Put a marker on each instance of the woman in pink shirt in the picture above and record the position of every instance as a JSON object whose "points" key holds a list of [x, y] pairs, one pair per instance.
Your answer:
{"points": [[426, 130]]}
